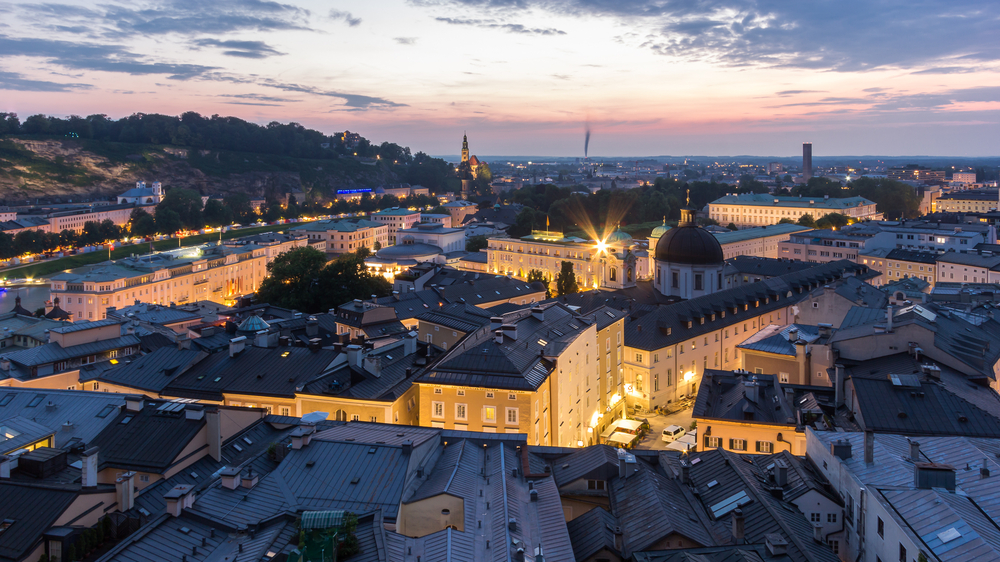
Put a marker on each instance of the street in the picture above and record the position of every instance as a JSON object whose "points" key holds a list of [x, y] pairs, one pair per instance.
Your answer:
{"points": [[657, 423]]}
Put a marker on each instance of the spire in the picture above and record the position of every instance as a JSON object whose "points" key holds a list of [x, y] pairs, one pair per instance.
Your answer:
{"points": [[689, 197], [687, 213]]}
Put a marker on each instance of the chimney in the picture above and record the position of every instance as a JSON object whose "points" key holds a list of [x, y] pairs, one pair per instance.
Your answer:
{"points": [[825, 330], [793, 334], [315, 344], [888, 318], [302, 435], [407, 447], [750, 389], [230, 477], [213, 427], [869, 447], [914, 451], [739, 525], [5, 463], [354, 355], [125, 491], [496, 322], [685, 472], [178, 498], [250, 479], [780, 473], [373, 364], [498, 335], [410, 343], [4, 363], [984, 472], [395, 295], [841, 448], [133, 403], [510, 330], [312, 327], [194, 412], [538, 313], [236, 345], [776, 544], [533, 495], [89, 468]]}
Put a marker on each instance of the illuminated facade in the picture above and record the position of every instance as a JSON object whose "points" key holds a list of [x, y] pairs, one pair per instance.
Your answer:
{"points": [[217, 273], [614, 263], [758, 209]]}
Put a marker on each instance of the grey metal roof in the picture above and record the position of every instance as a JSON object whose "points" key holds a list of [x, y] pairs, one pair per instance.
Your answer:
{"points": [[317, 477], [148, 440], [652, 328], [592, 532], [255, 370], [931, 513], [723, 395], [53, 352], [82, 325], [154, 371], [775, 339], [87, 412], [458, 316], [929, 409], [599, 462], [651, 507], [18, 431], [34, 510], [765, 267], [519, 363]]}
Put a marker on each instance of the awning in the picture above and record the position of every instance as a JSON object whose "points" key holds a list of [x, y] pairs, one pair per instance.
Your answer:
{"points": [[629, 425], [621, 438]]}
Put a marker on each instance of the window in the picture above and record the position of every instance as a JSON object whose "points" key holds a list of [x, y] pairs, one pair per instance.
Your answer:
{"points": [[511, 396], [738, 444], [512, 416], [783, 377], [489, 395], [595, 484], [490, 414], [831, 517], [143, 478], [638, 358], [902, 553], [814, 517], [834, 546], [765, 447], [881, 527], [697, 282], [285, 410], [437, 409], [713, 442], [461, 412], [674, 280], [437, 391]]}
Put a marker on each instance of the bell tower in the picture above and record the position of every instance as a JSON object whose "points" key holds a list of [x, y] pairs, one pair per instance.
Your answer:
{"points": [[465, 148]]}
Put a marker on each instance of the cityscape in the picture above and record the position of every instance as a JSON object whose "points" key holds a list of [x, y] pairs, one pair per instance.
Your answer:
{"points": [[509, 281]]}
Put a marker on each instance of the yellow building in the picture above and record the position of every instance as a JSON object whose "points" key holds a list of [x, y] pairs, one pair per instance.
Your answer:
{"points": [[534, 371], [210, 272], [758, 209], [613, 263], [902, 264]]}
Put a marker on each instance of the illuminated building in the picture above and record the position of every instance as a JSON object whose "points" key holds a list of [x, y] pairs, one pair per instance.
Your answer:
{"points": [[972, 200], [613, 263], [757, 209], [209, 272], [345, 236], [688, 260], [396, 219]]}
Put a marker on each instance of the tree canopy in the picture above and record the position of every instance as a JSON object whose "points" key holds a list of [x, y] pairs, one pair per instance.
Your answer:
{"points": [[303, 280], [566, 280]]}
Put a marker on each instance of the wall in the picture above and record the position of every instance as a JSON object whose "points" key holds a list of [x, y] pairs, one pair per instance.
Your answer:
{"points": [[752, 432], [426, 516]]}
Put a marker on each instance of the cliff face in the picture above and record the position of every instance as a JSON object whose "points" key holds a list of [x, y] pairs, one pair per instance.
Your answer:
{"points": [[77, 170]]}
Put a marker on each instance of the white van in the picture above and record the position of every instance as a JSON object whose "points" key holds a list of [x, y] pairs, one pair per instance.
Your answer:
{"points": [[672, 432]]}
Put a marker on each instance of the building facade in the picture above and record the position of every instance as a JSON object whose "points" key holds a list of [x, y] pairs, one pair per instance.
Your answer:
{"points": [[396, 219], [758, 209]]}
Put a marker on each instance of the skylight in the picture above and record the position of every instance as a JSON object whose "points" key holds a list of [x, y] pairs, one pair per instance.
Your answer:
{"points": [[106, 411], [727, 505], [949, 535], [6, 399], [36, 400], [542, 342]]}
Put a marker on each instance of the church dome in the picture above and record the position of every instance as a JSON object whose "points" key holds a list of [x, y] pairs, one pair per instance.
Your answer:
{"points": [[689, 244], [660, 230], [619, 237]]}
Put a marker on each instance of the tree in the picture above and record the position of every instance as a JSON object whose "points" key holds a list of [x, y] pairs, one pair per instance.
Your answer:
{"points": [[168, 221], [362, 252], [187, 204], [786, 220], [142, 223], [439, 210], [376, 246], [566, 280], [732, 226], [536, 275], [217, 214], [833, 220], [108, 230], [293, 280], [476, 243], [7, 248], [239, 205], [807, 220]]}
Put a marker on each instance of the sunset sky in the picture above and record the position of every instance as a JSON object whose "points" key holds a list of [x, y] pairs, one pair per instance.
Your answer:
{"points": [[524, 77]]}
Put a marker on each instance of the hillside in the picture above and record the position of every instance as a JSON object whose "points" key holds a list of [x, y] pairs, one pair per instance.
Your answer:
{"points": [[34, 166]]}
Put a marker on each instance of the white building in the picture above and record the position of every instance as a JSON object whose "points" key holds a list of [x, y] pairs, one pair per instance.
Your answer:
{"points": [[142, 195]]}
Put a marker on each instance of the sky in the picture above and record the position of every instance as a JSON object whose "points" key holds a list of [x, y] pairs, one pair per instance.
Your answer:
{"points": [[528, 77]]}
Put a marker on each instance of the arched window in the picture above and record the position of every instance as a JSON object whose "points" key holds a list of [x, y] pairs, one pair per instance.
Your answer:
{"points": [[628, 275], [614, 274], [341, 415]]}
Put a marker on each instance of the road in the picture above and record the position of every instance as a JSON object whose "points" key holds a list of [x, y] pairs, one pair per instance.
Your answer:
{"points": [[657, 423]]}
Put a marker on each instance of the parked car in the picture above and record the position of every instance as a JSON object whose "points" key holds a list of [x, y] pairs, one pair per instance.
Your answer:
{"points": [[672, 432]]}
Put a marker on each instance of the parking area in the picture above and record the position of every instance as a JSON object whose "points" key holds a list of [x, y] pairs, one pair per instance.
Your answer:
{"points": [[657, 423]]}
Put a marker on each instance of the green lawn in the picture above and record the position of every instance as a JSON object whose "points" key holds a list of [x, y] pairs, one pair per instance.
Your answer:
{"points": [[54, 266]]}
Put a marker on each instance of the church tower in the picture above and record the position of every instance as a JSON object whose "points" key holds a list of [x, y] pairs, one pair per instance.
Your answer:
{"points": [[465, 148]]}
